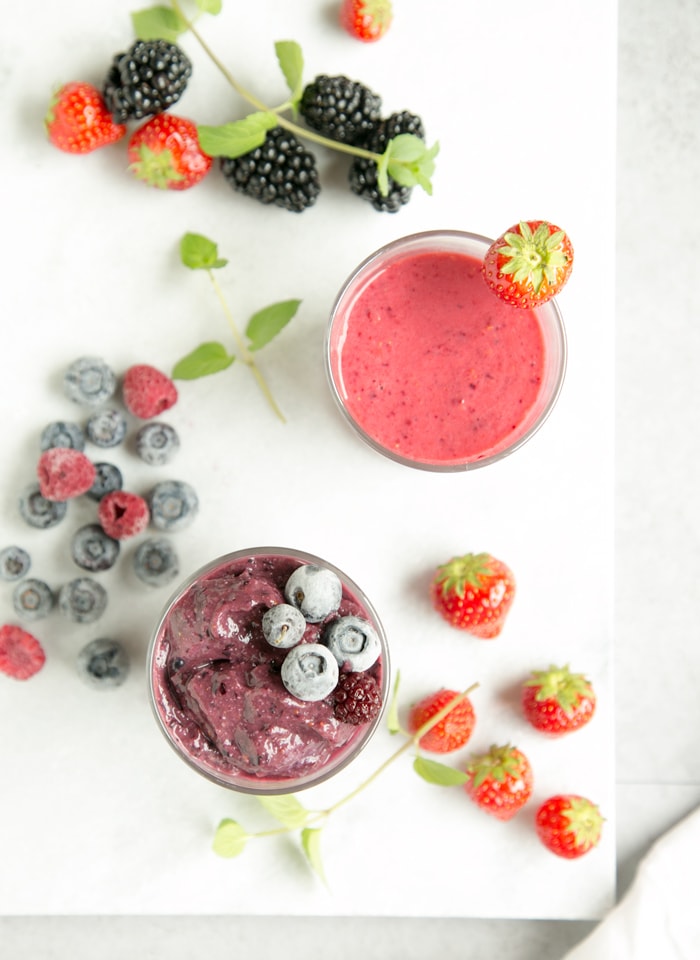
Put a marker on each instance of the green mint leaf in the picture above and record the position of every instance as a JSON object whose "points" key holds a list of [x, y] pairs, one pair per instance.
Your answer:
{"points": [[291, 61], [200, 253], [209, 6], [311, 845], [237, 138], [286, 808], [229, 839], [158, 23], [204, 360], [438, 773], [406, 148], [409, 162], [392, 720], [267, 323]]}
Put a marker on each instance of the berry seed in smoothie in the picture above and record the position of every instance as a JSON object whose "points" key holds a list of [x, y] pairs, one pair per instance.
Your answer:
{"points": [[432, 368]]}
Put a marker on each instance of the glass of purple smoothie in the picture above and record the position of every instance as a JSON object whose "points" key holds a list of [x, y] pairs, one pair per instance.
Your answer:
{"points": [[268, 670], [429, 366]]}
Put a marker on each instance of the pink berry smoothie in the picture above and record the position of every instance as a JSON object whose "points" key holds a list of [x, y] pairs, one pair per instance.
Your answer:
{"points": [[430, 366], [216, 681]]}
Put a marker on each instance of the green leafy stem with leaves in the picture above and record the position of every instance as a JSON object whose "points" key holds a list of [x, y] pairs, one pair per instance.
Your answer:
{"points": [[407, 159], [231, 838]]}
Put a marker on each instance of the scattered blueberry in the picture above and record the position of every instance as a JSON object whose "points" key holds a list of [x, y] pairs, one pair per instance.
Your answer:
{"points": [[157, 443], [173, 505], [32, 599], [316, 591], [107, 428], [103, 663], [108, 478], [61, 433], [82, 600], [310, 671], [14, 563], [38, 511], [283, 625], [89, 381], [156, 562], [93, 550], [353, 641]]}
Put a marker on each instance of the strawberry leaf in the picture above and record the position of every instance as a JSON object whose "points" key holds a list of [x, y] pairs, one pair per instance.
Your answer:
{"points": [[286, 808], [237, 138], [267, 323], [229, 839], [311, 845], [204, 360], [291, 61], [438, 773], [200, 253], [158, 23]]}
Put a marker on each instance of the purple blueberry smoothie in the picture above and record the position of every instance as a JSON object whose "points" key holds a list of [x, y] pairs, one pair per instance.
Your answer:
{"points": [[218, 684]]}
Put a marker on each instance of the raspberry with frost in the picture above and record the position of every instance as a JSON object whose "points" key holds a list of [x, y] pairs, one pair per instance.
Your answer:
{"points": [[147, 392], [64, 473], [21, 654], [122, 514]]}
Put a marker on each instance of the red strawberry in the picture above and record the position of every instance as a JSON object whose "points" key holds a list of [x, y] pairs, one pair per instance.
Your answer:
{"points": [[123, 514], [474, 592], [500, 781], [529, 263], [448, 734], [64, 473], [147, 392], [569, 825], [557, 701], [78, 121], [21, 654], [165, 153], [366, 20]]}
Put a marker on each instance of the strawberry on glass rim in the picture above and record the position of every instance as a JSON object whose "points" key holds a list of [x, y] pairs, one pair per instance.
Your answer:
{"points": [[529, 263]]}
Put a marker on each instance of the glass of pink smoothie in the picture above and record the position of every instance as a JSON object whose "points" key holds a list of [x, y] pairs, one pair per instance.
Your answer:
{"points": [[217, 675], [429, 366]]}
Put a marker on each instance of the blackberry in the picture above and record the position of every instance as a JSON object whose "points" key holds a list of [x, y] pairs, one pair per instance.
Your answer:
{"points": [[280, 171], [340, 109], [357, 698], [363, 172], [147, 79]]}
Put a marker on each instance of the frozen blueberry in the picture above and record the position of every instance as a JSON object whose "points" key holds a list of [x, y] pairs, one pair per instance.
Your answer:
{"points": [[38, 511], [157, 443], [103, 663], [310, 671], [61, 433], [14, 563], [93, 550], [108, 478], [156, 562], [316, 591], [89, 381], [107, 428], [283, 625], [353, 641], [173, 505], [32, 599], [82, 600]]}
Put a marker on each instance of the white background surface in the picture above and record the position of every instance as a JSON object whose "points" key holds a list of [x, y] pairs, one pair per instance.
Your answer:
{"points": [[643, 791]]}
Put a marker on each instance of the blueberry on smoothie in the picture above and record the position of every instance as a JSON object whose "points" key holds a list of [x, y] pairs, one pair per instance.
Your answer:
{"points": [[108, 478], [103, 663], [61, 433], [157, 443], [82, 600], [107, 428], [14, 563], [310, 671], [93, 550], [315, 591], [39, 512], [353, 641], [156, 562], [283, 625], [32, 599], [173, 505], [89, 381]]}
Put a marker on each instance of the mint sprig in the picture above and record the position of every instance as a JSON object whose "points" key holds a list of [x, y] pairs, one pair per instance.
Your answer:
{"points": [[231, 838], [198, 252]]}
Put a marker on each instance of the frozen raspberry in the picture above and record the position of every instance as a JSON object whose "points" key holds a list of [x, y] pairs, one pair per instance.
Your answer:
{"points": [[123, 515], [64, 473], [147, 392], [21, 654], [358, 698]]}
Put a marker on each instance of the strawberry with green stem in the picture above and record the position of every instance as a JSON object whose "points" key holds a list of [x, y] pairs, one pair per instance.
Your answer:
{"points": [[366, 20], [569, 825], [500, 781], [474, 592], [557, 701], [529, 263], [165, 153], [78, 121]]}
